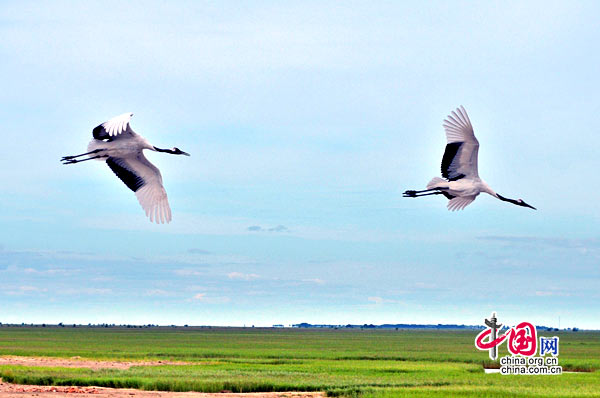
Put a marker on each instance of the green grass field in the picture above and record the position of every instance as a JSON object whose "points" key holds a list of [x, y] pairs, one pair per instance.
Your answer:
{"points": [[366, 363]]}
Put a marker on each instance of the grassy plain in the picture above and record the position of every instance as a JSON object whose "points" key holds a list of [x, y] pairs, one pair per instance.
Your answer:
{"points": [[366, 363]]}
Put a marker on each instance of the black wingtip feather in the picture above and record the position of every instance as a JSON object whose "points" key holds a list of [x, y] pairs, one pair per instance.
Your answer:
{"points": [[132, 180], [100, 133], [449, 154]]}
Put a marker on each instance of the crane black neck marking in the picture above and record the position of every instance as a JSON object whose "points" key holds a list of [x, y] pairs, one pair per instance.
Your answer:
{"points": [[165, 150], [507, 199], [519, 202]]}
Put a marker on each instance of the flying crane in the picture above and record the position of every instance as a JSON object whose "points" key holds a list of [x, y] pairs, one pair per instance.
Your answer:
{"points": [[461, 183], [116, 143]]}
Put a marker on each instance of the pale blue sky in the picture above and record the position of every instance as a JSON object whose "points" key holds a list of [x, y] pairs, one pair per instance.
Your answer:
{"points": [[308, 120]]}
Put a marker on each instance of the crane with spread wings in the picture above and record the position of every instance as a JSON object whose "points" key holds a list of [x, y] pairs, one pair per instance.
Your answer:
{"points": [[116, 143], [461, 183]]}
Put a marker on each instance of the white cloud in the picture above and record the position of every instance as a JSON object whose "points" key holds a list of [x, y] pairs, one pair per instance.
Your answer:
{"points": [[314, 280], [92, 291], [277, 228], [379, 300], [51, 271], [239, 275], [210, 299], [29, 289], [188, 272], [547, 293], [21, 290], [199, 296], [425, 285], [158, 293]]}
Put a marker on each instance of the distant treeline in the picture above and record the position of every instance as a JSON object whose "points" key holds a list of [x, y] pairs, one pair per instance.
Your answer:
{"points": [[305, 325], [390, 326], [95, 325], [412, 326]]}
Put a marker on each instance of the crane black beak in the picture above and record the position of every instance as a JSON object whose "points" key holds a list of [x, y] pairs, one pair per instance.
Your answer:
{"points": [[185, 153], [519, 202], [527, 205]]}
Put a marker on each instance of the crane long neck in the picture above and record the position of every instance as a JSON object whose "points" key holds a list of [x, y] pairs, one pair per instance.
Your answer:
{"points": [[486, 188], [507, 199], [164, 150]]}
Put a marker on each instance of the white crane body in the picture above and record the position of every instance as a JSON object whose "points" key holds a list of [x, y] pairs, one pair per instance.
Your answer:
{"points": [[128, 146], [122, 149]]}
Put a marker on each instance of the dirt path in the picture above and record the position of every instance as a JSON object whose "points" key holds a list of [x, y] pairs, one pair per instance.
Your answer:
{"points": [[77, 362], [8, 390]]}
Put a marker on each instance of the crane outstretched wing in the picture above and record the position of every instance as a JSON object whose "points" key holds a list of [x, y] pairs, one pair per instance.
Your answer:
{"points": [[460, 156], [143, 178], [460, 202], [112, 128]]}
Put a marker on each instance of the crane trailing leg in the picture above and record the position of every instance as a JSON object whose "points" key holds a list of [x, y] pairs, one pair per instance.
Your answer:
{"points": [[416, 194], [64, 158], [72, 161], [436, 186]]}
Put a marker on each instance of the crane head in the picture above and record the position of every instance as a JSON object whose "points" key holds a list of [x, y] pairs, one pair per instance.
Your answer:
{"points": [[518, 202], [177, 151], [522, 203], [174, 151]]}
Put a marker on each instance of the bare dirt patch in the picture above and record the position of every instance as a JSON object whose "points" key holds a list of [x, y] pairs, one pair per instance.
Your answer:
{"points": [[77, 362], [8, 390]]}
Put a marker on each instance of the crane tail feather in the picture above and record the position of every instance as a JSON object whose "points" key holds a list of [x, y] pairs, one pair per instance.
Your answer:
{"points": [[436, 182]]}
